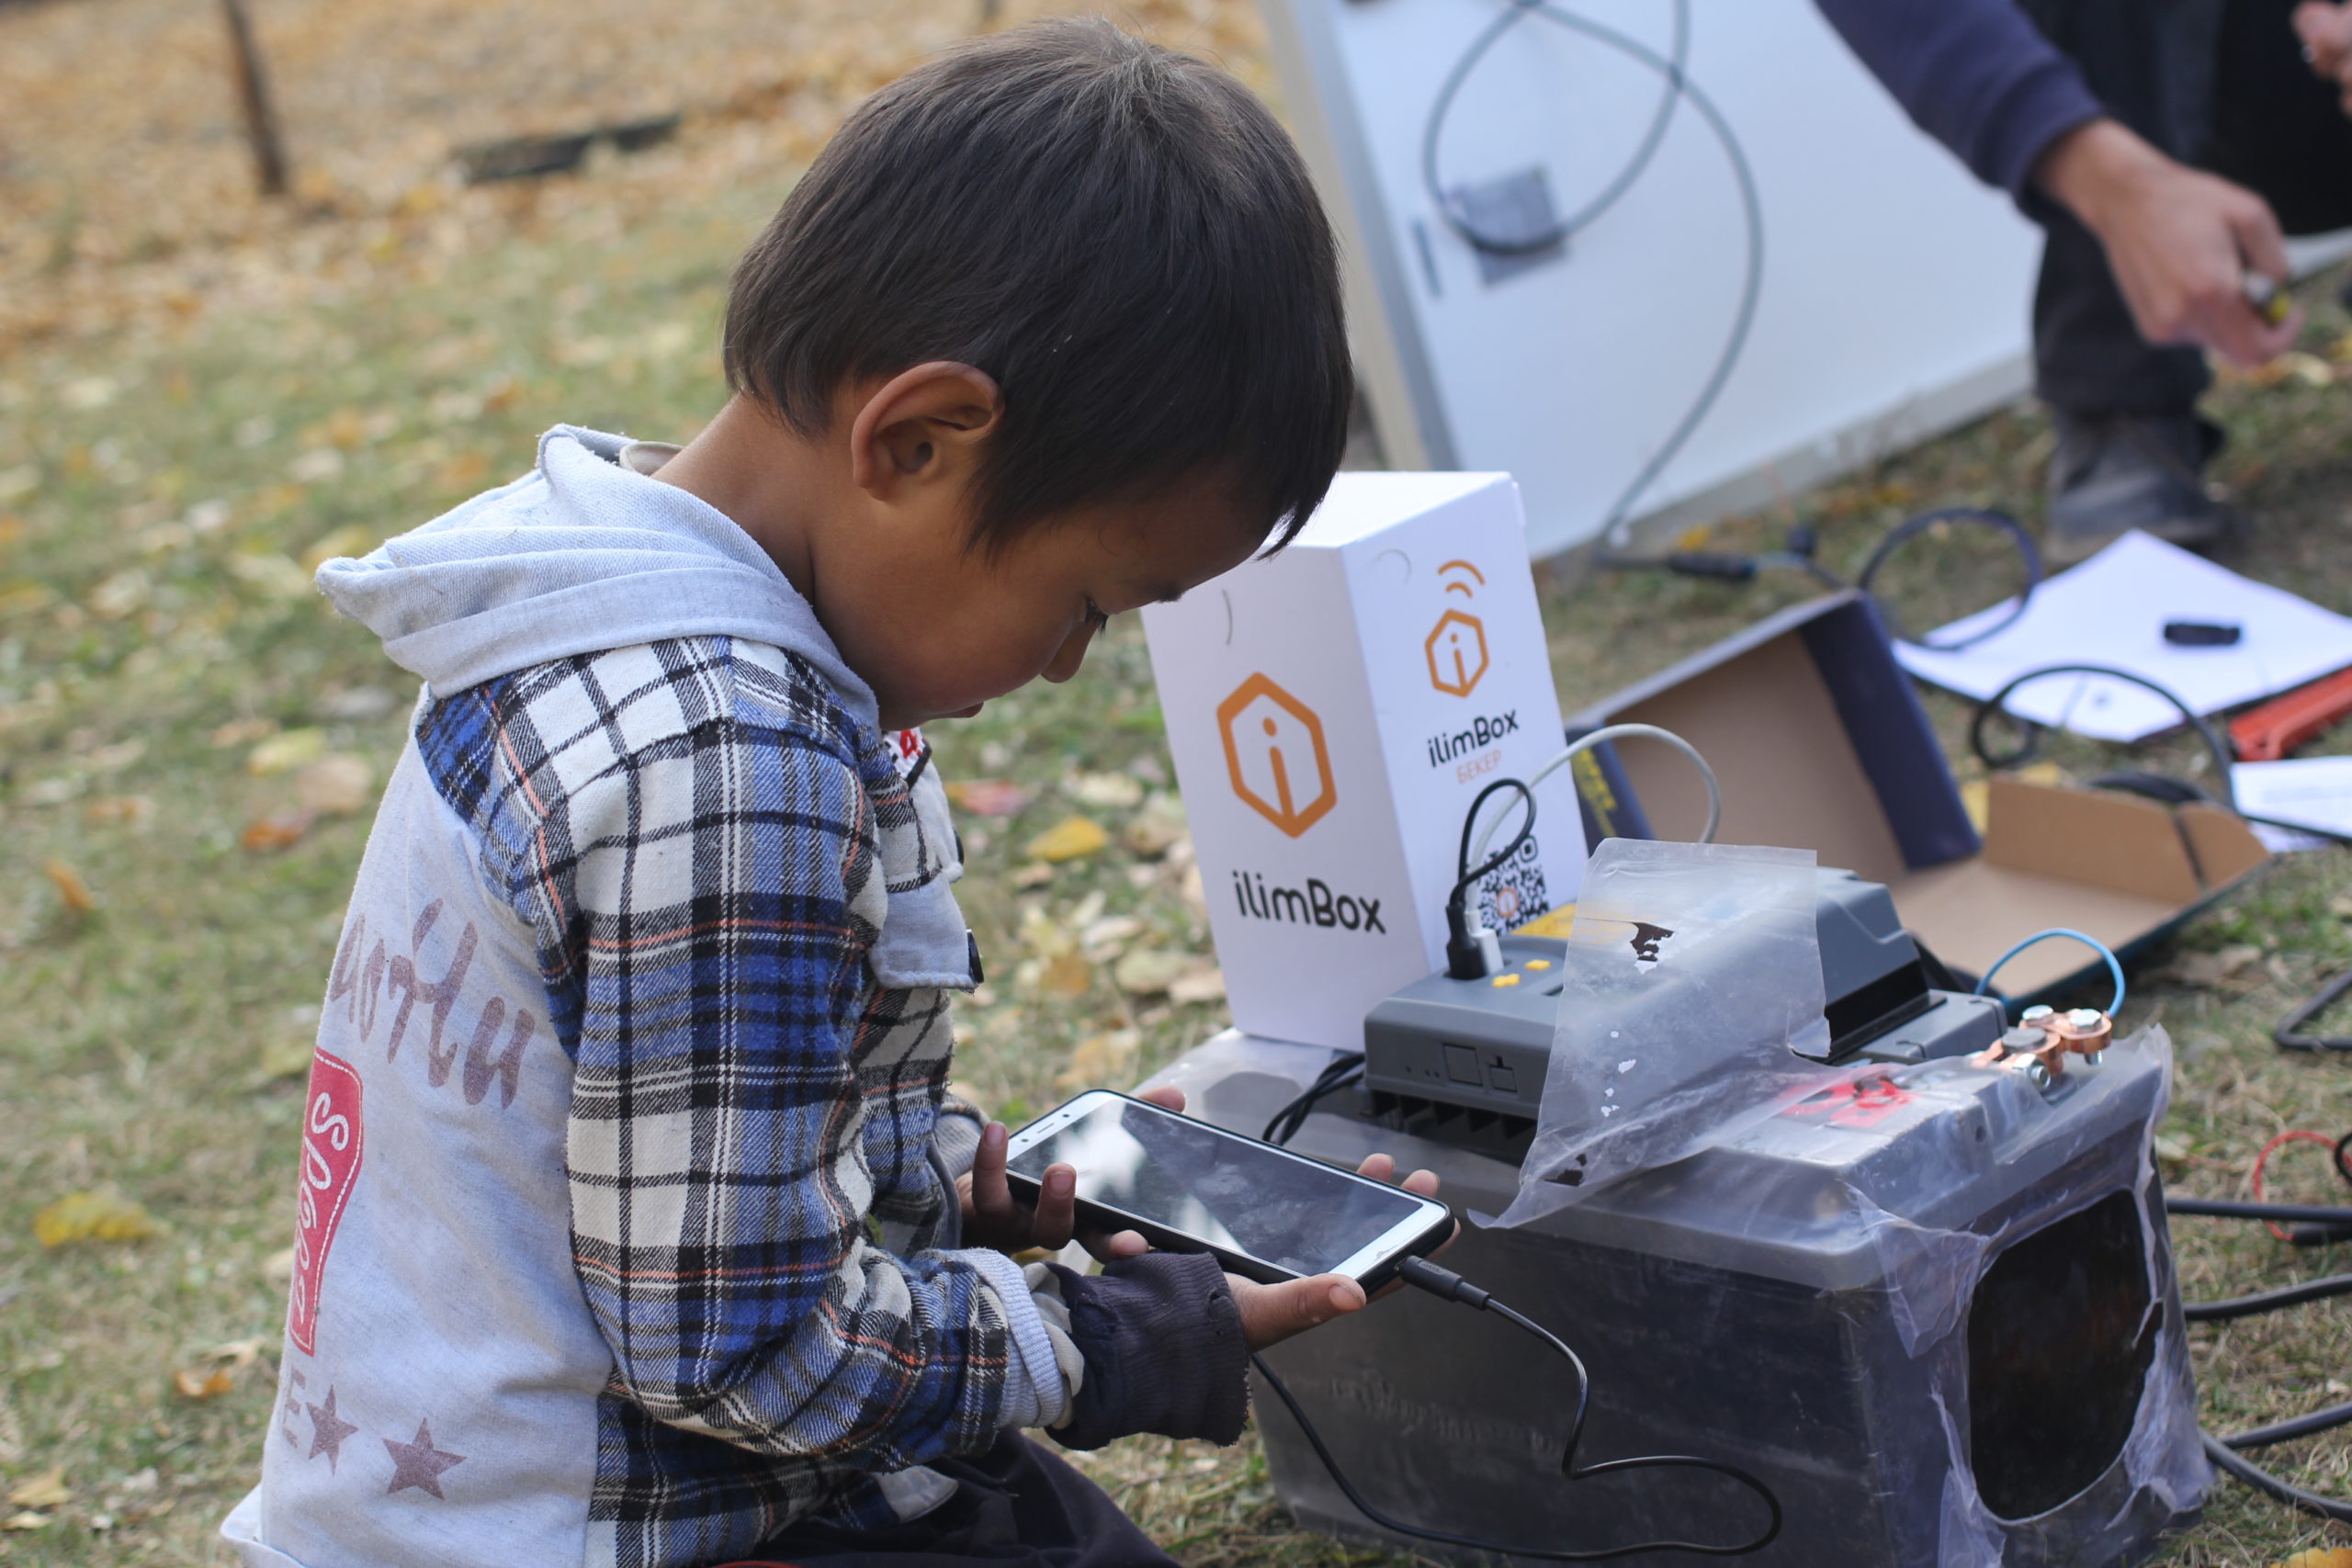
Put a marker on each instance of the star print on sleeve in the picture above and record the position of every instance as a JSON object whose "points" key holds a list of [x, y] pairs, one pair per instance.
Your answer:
{"points": [[419, 1463], [328, 1431]]}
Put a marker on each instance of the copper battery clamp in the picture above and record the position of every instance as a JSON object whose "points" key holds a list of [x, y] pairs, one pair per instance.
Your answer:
{"points": [[2038, 1047]]}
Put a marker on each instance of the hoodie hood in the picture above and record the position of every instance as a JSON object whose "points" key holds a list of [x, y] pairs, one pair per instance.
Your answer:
{"points": [[579, 556]]}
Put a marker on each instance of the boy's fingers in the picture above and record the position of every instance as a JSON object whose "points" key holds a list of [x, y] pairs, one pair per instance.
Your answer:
{"points": [[1272, 1314], [1422, 1183], [1378, 1168], [1168, 1098], [991, 1199], [1056, 1212], [1112, 1248]]}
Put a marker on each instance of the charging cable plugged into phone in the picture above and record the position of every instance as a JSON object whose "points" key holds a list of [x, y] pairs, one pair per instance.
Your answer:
{"points": [[1269, 1214]]}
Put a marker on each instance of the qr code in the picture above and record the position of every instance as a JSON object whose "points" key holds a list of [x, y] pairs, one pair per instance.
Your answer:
{"points": [[1513, 893]]}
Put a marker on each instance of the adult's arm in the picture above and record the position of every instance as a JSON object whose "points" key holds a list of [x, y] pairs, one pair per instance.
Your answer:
{"points": [[1974, 74]]}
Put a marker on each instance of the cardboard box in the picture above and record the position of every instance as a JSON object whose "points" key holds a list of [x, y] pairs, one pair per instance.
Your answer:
{"points": [[1333, 711], [1819, 742]]}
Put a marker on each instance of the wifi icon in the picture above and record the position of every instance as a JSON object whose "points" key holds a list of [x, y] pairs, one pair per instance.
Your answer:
{"points": [[1456, 646]]}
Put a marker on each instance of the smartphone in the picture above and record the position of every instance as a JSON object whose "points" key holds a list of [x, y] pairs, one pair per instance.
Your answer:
{"points": [[1267, 1215]]}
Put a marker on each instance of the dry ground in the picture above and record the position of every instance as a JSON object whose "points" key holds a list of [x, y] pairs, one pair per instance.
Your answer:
{"points": [[199, 396]]}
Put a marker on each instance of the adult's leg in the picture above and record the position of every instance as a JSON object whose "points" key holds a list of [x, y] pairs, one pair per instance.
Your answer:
{"points": [[2139, 57], [1018, 1506], [2277, 128]]}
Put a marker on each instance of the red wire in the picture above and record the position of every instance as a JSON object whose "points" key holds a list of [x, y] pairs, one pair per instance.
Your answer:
{"points": [[2299, 1137]]}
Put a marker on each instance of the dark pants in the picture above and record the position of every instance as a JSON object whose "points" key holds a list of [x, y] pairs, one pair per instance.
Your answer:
{"points": [[1016, 1505], [2218, 83]]}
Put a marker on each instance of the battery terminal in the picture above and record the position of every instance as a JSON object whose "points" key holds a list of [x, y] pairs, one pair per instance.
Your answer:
{"points": [[2038, 1047]]}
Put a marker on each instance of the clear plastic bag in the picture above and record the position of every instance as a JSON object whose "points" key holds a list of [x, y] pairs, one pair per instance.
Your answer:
{"points": [[1692, 976]]}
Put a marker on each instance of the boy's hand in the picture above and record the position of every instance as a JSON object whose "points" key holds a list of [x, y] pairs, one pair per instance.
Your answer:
{"points": [[1272, 1314], [991, 1217]]}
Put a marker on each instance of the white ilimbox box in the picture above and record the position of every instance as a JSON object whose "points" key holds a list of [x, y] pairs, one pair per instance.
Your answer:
{"points": [[1333, 711]]}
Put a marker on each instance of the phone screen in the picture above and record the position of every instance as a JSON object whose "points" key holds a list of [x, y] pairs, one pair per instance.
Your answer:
{"points": [[1227, 1191]]}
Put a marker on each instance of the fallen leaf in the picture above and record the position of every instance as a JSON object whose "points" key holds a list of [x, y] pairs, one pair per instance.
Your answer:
{"points": [[2340, 907], [1099, 1059], [286, 751], [24, 1521], [1157, 827], [1203, 984], [351, 539], [120, 595], [988, 798], [1119, 792], [287, 1058], [1149, 972], [2208, 970], [2307, 368], [272, 833], [118, 808], [272, 573], [2319, 1557], [1067, 977], [1102, 937], [198, 1384], [47, 1490], [1036, 874], [101, 1215], [75, 891], [241, 732], [1072, 838], [336, 786]]}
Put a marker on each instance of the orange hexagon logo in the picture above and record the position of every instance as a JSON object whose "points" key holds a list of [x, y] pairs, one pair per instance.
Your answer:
{"points": [[1275, 754], [1457, 646]]}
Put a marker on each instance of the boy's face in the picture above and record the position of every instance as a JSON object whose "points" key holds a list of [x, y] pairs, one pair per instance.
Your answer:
{"points": [[938, 629]]}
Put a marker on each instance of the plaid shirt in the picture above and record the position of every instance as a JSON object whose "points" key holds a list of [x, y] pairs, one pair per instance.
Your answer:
{"points": [[702, 847]]}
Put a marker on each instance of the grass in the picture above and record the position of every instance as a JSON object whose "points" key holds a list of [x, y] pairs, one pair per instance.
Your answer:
{"points": [[151, 641]]}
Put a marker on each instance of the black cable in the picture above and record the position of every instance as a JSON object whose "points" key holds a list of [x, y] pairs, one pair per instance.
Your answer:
{"points": [[2234, 1209], [1678, 85], [2032, 730], [2267, 1301], [2294, 1426], [1449, 1286], [1464, 879], [1463, 959], [1449, 209], [1344, 1071], [1911, 528], [2239, 1467], [2292, 1035]]}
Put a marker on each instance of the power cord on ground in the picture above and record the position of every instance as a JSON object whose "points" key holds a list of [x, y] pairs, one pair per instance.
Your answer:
{"points": [[1446, 1285]]}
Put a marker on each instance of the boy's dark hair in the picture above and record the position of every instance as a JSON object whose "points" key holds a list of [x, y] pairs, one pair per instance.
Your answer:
{"points": [[1121, 235]]}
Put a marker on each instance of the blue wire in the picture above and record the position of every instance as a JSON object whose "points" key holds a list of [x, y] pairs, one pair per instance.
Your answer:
{"points": [[2114, 967]]}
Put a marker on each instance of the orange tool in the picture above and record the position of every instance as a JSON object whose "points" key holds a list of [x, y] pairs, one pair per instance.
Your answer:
{"points": [[2278, 727]]}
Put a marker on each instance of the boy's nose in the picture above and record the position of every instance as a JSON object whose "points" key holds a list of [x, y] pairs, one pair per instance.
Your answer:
{"points": [[1073, 652]]}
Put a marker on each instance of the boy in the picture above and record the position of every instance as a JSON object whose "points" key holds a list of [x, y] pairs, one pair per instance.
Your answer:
{"points": [[627, 1227]]}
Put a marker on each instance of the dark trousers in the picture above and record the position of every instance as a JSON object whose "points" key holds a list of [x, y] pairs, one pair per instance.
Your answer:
{"points": [[2218, 83], [1016, 1506]]}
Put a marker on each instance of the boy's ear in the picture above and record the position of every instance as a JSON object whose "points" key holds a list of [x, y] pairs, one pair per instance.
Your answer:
{"points": [[923, 427]]}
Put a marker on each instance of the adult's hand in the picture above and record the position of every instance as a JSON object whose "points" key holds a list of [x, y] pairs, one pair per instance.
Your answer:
{"points": [[2327, 31], [2180, 242]]}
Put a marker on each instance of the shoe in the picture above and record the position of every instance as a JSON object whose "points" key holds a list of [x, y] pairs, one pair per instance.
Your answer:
{"points": [[2113, 473]]}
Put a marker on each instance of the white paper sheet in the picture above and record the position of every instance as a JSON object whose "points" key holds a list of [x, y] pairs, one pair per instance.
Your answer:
{"points": [[2315, 791], [2111, 610]]}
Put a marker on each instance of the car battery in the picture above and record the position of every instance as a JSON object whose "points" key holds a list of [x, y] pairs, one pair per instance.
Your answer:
{"points": [[1932, 1306]]}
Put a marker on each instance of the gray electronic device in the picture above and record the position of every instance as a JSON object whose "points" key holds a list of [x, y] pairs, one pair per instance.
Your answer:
{"points": [[1462, 1061]]}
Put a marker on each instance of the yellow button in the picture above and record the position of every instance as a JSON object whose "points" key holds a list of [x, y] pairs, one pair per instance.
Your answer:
{"points": [[1539, 964], [1505, 980]]}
